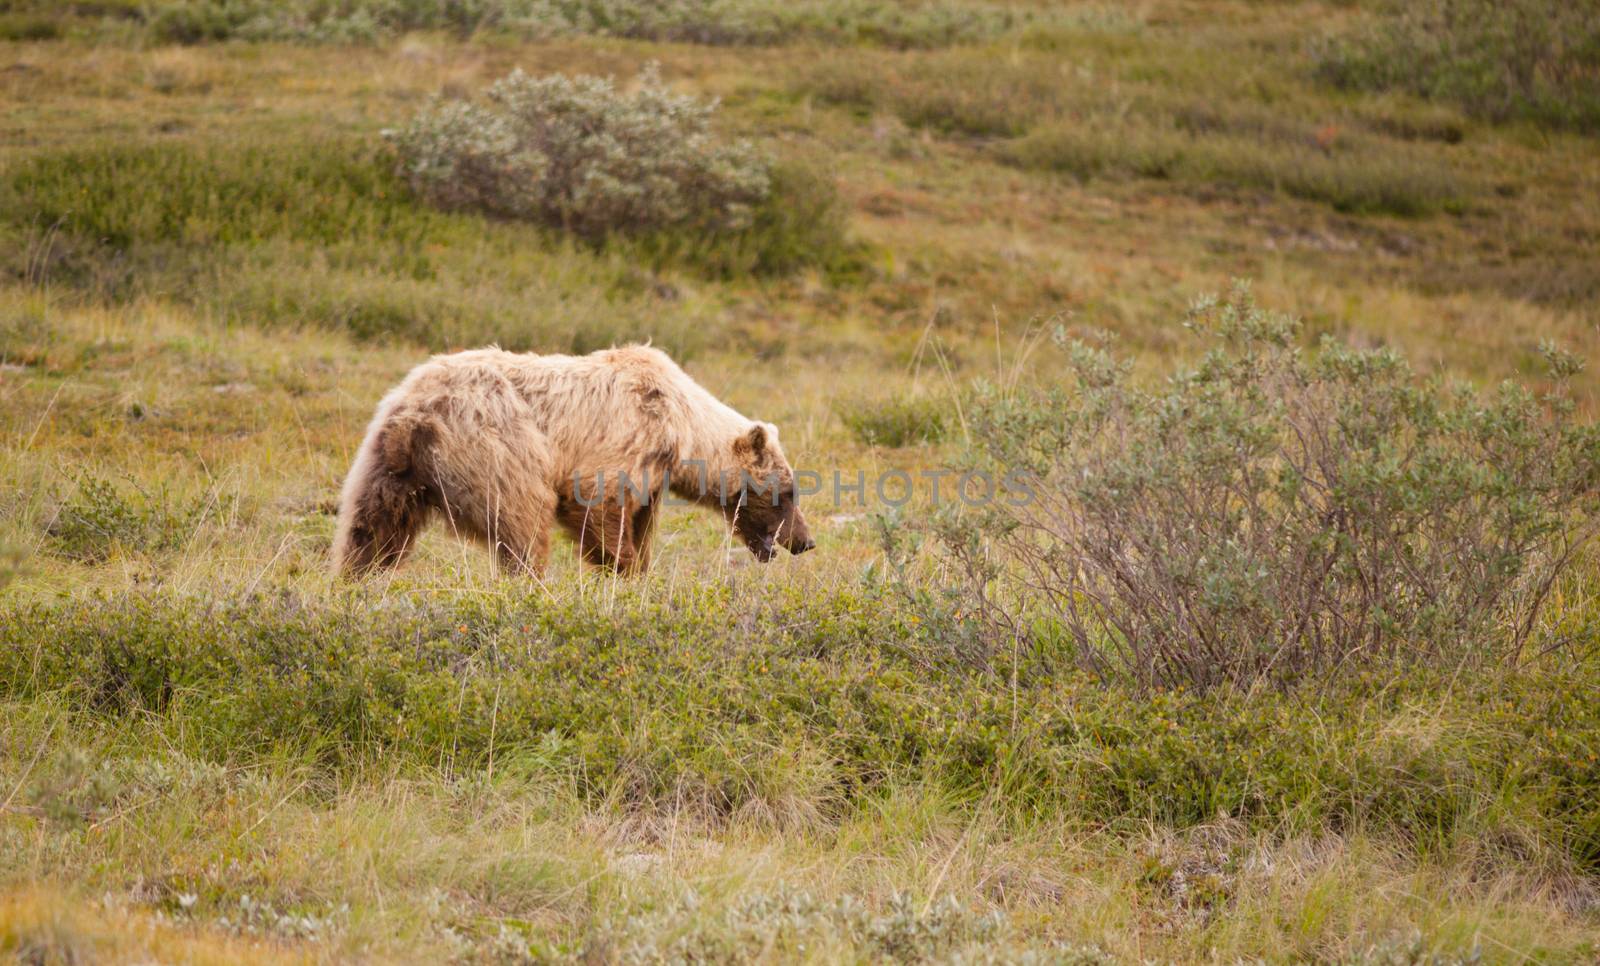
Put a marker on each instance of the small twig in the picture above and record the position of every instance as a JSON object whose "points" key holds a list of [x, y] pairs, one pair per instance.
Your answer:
{"points": [[119, 813], [269, 812], [42, 417], [37, 754]]}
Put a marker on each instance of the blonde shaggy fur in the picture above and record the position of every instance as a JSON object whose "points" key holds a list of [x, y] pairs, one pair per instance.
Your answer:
{"points": [[504, 446]]}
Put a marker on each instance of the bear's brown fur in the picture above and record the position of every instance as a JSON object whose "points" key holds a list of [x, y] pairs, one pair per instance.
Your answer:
{"points": [[505, 445]]}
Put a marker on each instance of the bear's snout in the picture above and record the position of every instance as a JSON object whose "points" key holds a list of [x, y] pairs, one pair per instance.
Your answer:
{"points": [[796, 535]]}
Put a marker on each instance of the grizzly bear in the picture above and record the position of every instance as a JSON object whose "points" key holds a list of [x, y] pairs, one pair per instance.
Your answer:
{"points": [[503, 446]]}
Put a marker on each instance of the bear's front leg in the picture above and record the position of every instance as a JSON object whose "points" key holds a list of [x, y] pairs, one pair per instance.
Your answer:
{"points": [[519, 533]]}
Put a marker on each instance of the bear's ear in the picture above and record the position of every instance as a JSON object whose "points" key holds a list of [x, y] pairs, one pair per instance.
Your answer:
{"points": [[755, 441]]}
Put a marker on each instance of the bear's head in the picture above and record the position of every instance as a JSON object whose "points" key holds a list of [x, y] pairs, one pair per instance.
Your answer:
{"points": [[763, 506]]}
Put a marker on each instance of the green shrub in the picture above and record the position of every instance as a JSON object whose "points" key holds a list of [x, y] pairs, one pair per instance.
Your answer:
{"points": [[801, 223], [895, 422], [1498, 59], [580, 155], [100, 517], [1272, 515]]}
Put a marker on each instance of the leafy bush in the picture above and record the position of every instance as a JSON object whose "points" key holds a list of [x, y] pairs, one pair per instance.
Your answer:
{"points": [[1498, 59], [895, 422], [580, 155], [1273, 515], [99, 518]]}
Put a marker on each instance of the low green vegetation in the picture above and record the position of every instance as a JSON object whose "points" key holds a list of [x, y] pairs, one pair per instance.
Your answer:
{"points": [[100, 518], [320, 234], [1499, 59], [122, 195], [903, 421], [1357, 175], [887, 23], [808, 715], [1049, 114]]}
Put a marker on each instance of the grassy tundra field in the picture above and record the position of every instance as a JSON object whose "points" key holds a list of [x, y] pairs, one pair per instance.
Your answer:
{"points": [[1291, 660]]}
